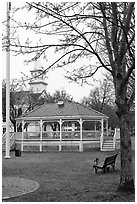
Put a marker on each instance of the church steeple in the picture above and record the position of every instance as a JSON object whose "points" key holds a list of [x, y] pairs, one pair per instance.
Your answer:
{"points": [[37, 83]]}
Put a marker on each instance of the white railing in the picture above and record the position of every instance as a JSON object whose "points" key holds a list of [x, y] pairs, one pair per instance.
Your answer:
{"points": [[114, 138], [12, 139], [101, 141], [31, 135], [55, 135], [71, 135], [90, 134], [3, 138]]}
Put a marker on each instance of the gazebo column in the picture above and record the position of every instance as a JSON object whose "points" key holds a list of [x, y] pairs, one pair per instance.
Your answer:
{"points": [[16, 125], [95, 130], [41, 124], [81, 142], [102, 126], [107, 127], [22, 135], [16, 133], [102, 133], [60, 145]]}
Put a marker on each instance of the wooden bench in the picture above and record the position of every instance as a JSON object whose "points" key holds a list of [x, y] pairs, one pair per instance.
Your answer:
{"points": [[109, 161]]}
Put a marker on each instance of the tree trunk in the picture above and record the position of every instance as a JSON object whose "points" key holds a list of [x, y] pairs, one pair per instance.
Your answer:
{"points": [[14, 125], [123, 112], [126, 175]]}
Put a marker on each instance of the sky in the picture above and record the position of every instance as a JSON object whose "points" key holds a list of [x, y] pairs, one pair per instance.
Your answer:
{"points": [[55, 79]]}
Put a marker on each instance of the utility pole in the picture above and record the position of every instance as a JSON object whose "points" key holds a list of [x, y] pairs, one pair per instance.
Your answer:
{"points": [[8, 83]]}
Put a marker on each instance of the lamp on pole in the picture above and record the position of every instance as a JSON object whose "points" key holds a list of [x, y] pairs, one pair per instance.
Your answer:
{"points": [[8, 83]]}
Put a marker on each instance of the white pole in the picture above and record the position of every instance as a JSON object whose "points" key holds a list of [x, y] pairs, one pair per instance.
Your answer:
{"points": [[8, 84]]}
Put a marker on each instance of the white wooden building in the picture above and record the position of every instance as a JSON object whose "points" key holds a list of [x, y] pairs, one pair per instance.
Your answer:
{"points": [[62, 124]]}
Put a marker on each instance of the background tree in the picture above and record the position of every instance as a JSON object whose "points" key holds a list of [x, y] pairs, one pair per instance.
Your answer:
{"points": [[102, 99], [58, 95], [103, 31], [61, 95], [22, 101], [102, 94], [15, 108]]}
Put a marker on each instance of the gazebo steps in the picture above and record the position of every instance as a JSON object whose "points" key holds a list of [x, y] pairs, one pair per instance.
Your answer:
{"points": [[108, 145]]}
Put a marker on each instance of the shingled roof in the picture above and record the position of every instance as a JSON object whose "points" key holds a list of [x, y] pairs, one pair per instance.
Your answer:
{"points": [[67, 109]]}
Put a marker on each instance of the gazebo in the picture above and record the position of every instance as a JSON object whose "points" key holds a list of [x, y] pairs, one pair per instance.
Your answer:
{"points": [[61, 124]]}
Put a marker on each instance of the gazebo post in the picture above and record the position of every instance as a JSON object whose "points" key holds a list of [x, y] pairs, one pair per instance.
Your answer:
{"points": [[16, 130], [22, 135], [102, 126], [16, 126], [107, 127], [81, 142], [102, 134], [60, 123], [95, 130], [41, 123]]}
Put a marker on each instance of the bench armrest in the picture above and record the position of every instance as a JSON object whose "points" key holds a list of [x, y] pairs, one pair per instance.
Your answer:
{"points": [[99, 164]]}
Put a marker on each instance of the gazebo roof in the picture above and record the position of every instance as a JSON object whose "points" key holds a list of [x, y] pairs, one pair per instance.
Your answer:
{"points": [[62, 110]]}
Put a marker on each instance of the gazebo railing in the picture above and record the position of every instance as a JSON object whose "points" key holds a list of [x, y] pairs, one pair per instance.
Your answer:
{"points": [[55, 135], [4, 138], [31, 135], [65, 135], [71, 135], [90, 134], [57, 138]]}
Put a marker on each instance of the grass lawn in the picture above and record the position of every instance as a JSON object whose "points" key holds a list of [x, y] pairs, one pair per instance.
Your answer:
{"points": [[66, 177]]}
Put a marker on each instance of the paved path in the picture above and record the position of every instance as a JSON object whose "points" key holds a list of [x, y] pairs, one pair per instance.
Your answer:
{"points": [[13, 187]]}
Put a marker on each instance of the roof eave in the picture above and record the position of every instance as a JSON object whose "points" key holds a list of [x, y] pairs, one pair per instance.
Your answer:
{"points": [[63, 117]]}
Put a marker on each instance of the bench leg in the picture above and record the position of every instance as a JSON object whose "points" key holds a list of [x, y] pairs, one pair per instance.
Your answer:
{"points": [[113, 166], [104, 170], [96, 170]]}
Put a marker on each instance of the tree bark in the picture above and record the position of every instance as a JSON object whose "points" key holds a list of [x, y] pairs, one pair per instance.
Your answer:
{"points": [[126, 174], [123, 112]]}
